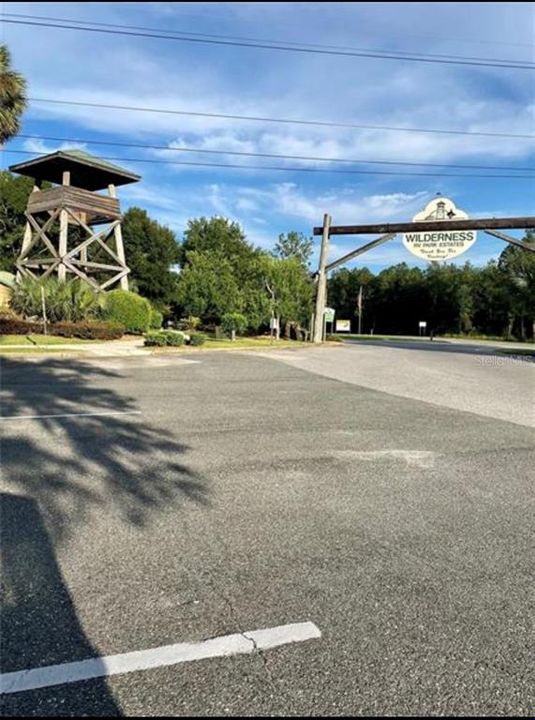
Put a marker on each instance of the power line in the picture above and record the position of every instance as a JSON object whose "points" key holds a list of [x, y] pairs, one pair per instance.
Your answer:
{"points": [[312, 158], [291, 43], [285, 48], [316, 123], [299, 169]]}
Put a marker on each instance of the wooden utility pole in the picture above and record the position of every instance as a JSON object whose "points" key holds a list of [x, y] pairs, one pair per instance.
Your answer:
{"points": [[359, 305], [321, 294]]}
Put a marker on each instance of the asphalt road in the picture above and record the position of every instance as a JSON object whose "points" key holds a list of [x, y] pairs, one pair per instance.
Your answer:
{"points": [[457, 376], [249, 493], [432, 346]]}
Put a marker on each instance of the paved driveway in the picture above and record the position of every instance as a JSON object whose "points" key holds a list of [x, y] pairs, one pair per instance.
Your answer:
{"points": [[149, 502]]}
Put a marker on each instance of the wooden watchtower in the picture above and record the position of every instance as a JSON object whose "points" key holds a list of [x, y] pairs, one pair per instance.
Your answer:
{"points": [[64, 233]]}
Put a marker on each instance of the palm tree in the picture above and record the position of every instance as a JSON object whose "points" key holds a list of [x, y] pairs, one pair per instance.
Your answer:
{"points": [[12, 97]]}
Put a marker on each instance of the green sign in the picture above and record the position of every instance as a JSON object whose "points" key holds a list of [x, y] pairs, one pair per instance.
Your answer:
{"points": [[329, 315]]}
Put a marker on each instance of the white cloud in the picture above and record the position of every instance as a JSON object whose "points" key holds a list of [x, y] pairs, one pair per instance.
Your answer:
{"points": [[171, 75], [40, 147]]}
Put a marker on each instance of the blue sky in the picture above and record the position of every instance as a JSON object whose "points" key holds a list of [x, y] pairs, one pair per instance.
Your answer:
{"points": [[120, 70]]}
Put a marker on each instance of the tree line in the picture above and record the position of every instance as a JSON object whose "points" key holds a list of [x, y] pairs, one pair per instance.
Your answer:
{"points": [[497, 299], [214, 271]]}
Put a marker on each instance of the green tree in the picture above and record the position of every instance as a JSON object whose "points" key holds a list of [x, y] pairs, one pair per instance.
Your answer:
{"points": [[207, 287], [217, 234], [14, 193], [294, 245], [290, 292], [151, 252], [518, 268], [219, 246], [233, 323], [343, 293], [13, 99], [491, 300], [400, 300]]}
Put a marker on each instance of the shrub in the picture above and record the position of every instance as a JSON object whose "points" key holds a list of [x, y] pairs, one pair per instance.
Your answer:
{"points": [[155, 339], [72, 300], [233, 323], [161, 338], [189, 323], [198, 338], [174, 338], [156, 319], [129, 309], [13, 325], [88, 330]]}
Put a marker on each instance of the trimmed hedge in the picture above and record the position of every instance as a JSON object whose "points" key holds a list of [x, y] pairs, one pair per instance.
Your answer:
{"points": [[174, 338], [88, 330], [129, 309], [16, 326], [198, 338], [155, 339], [162, 338], [85, 330]]}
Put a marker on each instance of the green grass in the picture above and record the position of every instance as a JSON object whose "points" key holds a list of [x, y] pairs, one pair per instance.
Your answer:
{"points": [[35, 340], [5, 350], [239, 343], [349, 336]]}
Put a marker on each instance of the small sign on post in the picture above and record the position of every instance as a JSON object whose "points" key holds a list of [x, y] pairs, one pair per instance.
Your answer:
{"points": [[329, 315], [422, 326], [343, 326]]}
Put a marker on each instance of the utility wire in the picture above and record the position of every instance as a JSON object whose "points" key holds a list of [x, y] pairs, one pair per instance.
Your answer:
{"points": [[312, 158], [318, 123], [292, 43], [285, 48], [299, 169]]}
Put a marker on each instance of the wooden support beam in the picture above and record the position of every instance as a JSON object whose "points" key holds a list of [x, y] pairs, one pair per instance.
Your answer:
{"points": [[432, 226], [93, 265], [62, 247], [119, 247], [512, 240], [321, 290], [114, 279], [118, 234], [41, 232], [359, 251]]}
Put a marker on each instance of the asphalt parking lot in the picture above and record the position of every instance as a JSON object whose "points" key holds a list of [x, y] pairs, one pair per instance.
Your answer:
{"points": [[151, 502]]}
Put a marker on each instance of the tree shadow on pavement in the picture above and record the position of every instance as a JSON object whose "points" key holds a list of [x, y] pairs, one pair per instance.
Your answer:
{"points": [[75, 465], [59, 476]]}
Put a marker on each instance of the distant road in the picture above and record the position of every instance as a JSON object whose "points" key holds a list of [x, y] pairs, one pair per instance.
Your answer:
{"points": [[459, 376], [471, 347]]}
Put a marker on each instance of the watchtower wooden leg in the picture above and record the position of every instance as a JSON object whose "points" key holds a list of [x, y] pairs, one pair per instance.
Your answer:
{"points": [[63, 232], [119, 248], [26, 242]]}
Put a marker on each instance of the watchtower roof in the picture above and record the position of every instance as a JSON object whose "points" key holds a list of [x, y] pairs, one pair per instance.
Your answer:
{"points": [[87, 171]]}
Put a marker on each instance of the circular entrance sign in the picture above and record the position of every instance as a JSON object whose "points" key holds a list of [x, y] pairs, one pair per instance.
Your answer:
{"points": [[443, 244]]}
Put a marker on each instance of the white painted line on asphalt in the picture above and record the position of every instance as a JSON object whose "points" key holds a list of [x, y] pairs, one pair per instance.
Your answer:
{"points": [[67, 415], [238, 644]]}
